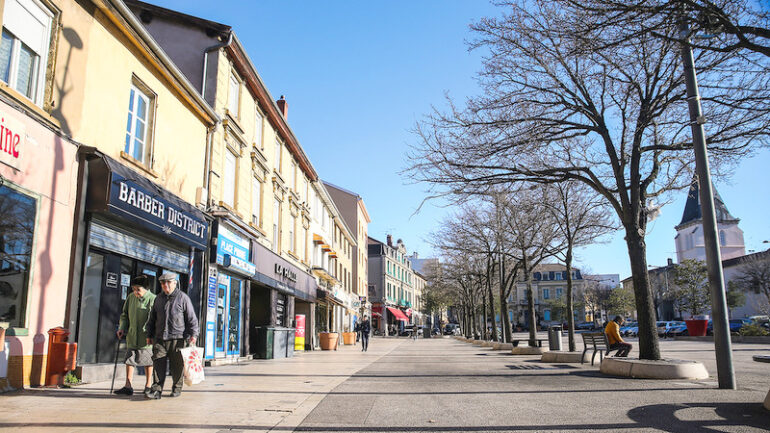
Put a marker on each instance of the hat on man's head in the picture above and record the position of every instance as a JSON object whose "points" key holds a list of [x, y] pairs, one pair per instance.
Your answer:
{"points": [[167, 276], [140, 280]]}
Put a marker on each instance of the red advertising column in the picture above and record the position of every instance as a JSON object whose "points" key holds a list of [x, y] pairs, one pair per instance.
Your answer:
{"points": [[299, 333]]}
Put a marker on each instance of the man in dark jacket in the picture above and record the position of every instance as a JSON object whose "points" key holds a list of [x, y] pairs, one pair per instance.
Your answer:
{"points": [[365, 328], [171, 326]]}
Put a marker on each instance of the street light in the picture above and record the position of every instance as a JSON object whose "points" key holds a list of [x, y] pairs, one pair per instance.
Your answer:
{"points": [[722, 344]]}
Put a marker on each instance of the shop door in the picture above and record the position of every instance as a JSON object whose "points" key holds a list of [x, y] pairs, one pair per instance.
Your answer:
{"points": [[234, 318], [219, 346]]}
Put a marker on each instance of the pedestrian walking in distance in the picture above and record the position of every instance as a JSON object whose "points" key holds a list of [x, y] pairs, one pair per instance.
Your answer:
{"points": [[172, 326], [133, 319], [366, 328]]}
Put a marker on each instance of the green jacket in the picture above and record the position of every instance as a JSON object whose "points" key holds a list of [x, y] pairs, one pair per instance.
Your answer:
{"points": [[133, 319]]}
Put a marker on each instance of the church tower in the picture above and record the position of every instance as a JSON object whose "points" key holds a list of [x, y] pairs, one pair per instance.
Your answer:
{"points": [[689, 232]]}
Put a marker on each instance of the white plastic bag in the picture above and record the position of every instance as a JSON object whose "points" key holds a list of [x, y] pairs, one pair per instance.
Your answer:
{"points": [[193, 365]]}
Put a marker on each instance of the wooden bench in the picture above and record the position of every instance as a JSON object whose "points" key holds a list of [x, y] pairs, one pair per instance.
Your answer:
{"points": [[515, 342], [599, 342]]}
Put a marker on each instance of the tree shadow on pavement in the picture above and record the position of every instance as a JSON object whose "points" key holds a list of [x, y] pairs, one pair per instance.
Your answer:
{"points": [[664, 416]]}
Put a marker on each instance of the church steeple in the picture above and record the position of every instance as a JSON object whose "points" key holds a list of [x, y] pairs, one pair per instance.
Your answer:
{"points": [[689, 237], [692, 207]]}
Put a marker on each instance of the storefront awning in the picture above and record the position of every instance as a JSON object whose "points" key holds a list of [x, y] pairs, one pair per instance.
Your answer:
{"points": [[116, 189], [325, 247], [398, 314], [317, 239]]}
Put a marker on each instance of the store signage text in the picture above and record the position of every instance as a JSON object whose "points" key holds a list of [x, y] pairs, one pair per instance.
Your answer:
{"points": [[151, 205], [237, 264], [285, 272], [12, 133]]}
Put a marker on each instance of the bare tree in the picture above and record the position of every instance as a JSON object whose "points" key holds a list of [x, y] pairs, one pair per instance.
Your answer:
{"points": [[561, 103], [581, 218], [533, 234], [754, 276], [726, 25]]}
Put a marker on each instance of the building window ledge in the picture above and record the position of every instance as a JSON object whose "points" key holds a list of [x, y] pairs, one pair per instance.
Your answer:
{"points": [[139, 165]]}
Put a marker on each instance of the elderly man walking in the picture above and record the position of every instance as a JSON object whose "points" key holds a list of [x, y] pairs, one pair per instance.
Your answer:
{"points": [[133, 319], [171, 326]]}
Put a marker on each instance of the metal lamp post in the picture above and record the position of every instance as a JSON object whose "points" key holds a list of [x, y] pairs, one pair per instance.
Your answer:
{"points": [[722, 343]]}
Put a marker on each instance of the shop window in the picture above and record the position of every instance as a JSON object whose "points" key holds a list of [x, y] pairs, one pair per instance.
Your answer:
{"points": [[228, 194], [16, 239], [139, 125], [24, 48]]}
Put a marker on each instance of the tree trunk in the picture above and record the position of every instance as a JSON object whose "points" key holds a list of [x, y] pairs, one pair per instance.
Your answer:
{"points": [[645, 307], [491, 297], [504, 304], [484, 318], [473, 316], [530, 303], [570, 305]]}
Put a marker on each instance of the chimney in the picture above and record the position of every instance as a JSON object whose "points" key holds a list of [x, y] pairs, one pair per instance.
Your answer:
{"points": [[390, 240], [670, 262], [283, 106]]}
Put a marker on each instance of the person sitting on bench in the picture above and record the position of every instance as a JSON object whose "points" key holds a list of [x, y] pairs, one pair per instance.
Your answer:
{"points": [[613, 337]]}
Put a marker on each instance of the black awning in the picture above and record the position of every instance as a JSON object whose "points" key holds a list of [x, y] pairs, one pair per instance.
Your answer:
{"points": [[121, 191]]}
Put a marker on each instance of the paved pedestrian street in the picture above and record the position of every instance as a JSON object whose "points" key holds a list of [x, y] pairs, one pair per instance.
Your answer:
{"points": [[434, 385]]}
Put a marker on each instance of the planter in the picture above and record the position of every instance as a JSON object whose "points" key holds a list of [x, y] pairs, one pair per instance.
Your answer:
{"points": [[696, 328], [328, 340], [349, 338]]}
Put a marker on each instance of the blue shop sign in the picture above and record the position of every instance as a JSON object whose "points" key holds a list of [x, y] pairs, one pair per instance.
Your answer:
{"points": [[154, 209], [233, 251]]}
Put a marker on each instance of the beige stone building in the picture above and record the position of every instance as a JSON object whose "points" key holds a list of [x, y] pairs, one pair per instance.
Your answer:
{"points": [[121, 134]]}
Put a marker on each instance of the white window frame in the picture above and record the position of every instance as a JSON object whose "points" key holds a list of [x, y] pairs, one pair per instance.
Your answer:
{"points": [[277, 225], [256, 201], [234, 98], [14, 23], [258, 129], [229, 176], [148, 98], [278, 151]]}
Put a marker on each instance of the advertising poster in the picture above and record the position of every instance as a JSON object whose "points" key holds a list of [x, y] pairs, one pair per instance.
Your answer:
{"points": [[299, 333]]}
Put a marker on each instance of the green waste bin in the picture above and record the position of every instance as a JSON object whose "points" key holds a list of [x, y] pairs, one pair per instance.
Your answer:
{"points": [[265, 337]]}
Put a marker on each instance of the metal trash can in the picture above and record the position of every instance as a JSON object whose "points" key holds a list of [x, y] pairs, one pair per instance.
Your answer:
{"points": [[426, 332], [554, 337]]}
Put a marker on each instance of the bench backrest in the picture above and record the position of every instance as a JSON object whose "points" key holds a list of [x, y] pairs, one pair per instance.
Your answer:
{"points": [[596, 339]]}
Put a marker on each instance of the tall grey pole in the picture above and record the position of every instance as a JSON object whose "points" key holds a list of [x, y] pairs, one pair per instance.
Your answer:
{"points": [[722, 344]]}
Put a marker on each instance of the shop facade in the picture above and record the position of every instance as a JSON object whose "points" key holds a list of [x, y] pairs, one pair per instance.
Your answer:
{"points": [[37, 173], [227, 292], [129, 226]]}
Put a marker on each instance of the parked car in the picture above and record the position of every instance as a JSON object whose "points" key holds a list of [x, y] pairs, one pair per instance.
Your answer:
{"points": [[676, 328], [625, 330], [451, 328], [737, 324], [587, 326]]}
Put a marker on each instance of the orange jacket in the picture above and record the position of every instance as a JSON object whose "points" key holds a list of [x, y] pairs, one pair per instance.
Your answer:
{"points": [[613, 333]]}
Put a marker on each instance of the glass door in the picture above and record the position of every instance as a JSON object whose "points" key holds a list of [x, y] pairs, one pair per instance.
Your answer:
{"points": [[219, 346], [234, 318]]}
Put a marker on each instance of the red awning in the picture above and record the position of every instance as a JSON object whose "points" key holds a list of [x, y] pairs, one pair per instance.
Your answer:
{"points": [[398, 314]]}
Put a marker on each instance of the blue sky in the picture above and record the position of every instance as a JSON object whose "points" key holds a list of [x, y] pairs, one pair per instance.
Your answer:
{"points": [[357, 75]]}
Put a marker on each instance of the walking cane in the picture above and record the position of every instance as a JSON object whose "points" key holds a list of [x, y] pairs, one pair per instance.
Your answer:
{"points": [[115, 368]]}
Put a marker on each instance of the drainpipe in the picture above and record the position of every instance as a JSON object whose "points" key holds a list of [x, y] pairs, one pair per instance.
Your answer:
{"points": [[206, 59]]}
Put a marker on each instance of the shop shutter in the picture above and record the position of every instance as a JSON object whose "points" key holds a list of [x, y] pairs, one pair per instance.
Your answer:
{"points": [[119, 242]]}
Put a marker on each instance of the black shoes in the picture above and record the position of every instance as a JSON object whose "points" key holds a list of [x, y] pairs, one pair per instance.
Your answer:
{"points": [[176, 393], [125, 391]]}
